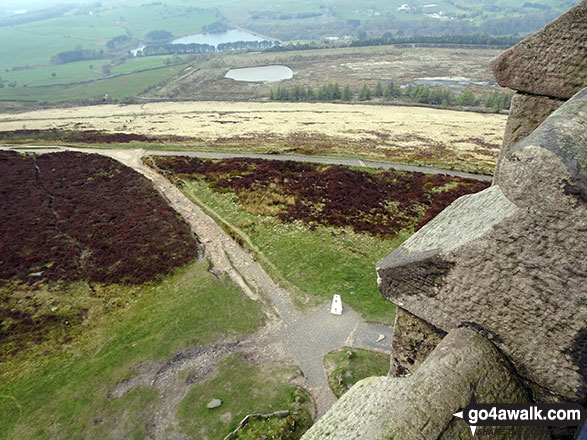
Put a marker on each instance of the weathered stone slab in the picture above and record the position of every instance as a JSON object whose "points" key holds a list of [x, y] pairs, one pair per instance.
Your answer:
{"points": [[527, 112], [422, 405], [419, 258], [414, 339], [551, 162], [513, 263], [552, 62]]}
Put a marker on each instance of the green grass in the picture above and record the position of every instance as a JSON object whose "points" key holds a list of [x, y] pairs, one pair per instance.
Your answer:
{"points": [[244, 389], [138, 64], [283, 428], [118, 87], [178, 19], [346, 366], [77, 72], [314, 264], [60, 391], [35, 43]]}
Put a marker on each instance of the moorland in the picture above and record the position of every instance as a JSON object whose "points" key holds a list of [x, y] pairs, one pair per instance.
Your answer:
{"points": [[466, 141], [121, 317]]}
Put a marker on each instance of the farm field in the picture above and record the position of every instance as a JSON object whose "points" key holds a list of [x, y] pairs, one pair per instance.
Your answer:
{"points": [[320, 229], [449, 139], [76, 72], [34, 43], [35, 40], [116, 87]]}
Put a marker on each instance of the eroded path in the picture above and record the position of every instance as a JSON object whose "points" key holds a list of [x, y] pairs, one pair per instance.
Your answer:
{"points": [[288, 336], [308, 337]]}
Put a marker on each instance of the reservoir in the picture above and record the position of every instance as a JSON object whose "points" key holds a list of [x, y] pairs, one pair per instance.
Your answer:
{"points": [[215, 39], [263, 73]]}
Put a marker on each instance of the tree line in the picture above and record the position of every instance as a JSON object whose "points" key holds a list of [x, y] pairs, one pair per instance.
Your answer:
{"points": [[178, 49], [484, 39], [79, 54], [274, 46], [470, 40], [389, 91]]}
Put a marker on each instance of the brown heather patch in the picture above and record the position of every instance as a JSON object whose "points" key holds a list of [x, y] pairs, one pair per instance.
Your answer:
{"points": [[72, 216], [381, 203]]}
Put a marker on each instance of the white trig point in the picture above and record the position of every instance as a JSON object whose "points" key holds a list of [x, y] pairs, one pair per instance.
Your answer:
{"points": [[336, 308]]}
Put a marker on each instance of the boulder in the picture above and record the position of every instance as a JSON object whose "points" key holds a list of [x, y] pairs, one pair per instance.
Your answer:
{"points": [[214, 403], [552, 62]]}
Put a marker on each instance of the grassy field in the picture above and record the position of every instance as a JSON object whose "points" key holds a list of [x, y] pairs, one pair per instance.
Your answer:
{"points": [[267, 389], [316, 262], [76, 72], [346, 366], [34, 43], [60, 389], [449, 139], [118, 87], [92, 26]]}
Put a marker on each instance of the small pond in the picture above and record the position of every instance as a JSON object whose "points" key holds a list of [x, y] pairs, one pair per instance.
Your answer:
{"points": [[263, 73]]}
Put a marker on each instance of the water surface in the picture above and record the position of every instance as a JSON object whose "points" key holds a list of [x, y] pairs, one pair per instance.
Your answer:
{"points": [[215, 39], [263, 73]]}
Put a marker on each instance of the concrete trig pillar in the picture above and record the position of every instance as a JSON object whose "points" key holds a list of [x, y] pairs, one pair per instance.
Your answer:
{"points": [[336, 308]]}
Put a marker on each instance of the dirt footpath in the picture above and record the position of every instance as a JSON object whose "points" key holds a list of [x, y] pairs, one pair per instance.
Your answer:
{"points": [[308, 337], [289, 336]]}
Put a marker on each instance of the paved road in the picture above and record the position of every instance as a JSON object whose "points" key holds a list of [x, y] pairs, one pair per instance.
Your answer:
{"points": [[297, 158], [322, 160]]}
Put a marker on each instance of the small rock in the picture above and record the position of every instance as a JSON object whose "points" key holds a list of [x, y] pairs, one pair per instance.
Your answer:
{"points": [[348, 373], [214, 403], [380, 338]]}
